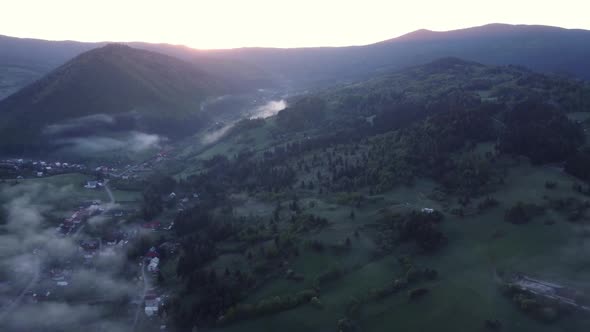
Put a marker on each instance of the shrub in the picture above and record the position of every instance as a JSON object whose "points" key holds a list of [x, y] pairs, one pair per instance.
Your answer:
{"points": [[522, 213]]}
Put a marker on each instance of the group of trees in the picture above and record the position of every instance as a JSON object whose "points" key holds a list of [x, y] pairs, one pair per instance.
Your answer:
{"points": [[206, 296], [522, 213], [418, 227], [578, 164], [155, 189], [305, 113], [540, 132]]}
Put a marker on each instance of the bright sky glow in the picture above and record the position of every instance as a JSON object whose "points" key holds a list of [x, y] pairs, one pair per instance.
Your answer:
{"points": [[273, 23]]}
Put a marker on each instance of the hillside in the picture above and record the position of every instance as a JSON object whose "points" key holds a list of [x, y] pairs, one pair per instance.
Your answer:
{"points": [[137, 89], [387, 196], [24, 60]]}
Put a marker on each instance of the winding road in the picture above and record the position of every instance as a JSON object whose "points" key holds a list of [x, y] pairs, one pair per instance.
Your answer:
{"points": [[109, 192], [145, 289]]}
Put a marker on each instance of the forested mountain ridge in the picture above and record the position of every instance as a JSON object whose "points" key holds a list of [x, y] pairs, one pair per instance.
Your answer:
{"points": [[155, 92], [449, 83]]}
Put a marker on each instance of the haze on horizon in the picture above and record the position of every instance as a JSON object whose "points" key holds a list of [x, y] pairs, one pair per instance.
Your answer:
{"points": [[209, 24]]}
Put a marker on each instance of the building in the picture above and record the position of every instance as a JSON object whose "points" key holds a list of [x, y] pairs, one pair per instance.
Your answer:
{"points": [[153, 265], [91, 185], [154, 225], [151, 306], [152, 253]]}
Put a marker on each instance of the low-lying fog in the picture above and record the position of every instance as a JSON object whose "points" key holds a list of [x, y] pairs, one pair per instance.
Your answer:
{"points": [[30, 248], [269, 109], [263, 111]]}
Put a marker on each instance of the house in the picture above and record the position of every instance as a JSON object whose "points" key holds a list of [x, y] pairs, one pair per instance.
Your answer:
{"points": [[152, 253], [57, 274], [153, 265], [427, 210], [39, 174], [91, 185], [90, 245], [151, 307], [172, 196], [117, 212], [154, 225]]}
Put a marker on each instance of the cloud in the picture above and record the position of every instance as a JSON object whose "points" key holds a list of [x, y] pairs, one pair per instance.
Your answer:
{"points": [[261, 112], [29, 247], [269, 109], [133, 142], [76, 124], [214, 136]]}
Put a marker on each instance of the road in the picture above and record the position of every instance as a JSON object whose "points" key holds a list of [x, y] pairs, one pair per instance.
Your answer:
{"points": [[144, 292], [109, 192], [19, 298], [112, 201]]}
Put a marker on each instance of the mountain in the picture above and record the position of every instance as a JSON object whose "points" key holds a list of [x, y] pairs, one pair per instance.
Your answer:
{"points": [[541, 48], [131, 88], [24, 60], [393, 100]]}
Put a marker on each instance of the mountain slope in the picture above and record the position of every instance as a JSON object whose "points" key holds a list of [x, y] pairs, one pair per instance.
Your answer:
{"points": [[541, 48], [147, 90], [24, 60]]}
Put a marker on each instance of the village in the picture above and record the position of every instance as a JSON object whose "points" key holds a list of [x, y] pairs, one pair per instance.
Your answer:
{"points": [[56, 277], [26, 168], [119, 228]]}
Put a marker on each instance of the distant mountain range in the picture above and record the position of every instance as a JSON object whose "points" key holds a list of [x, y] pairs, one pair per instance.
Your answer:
{"points": [[541, 48]]}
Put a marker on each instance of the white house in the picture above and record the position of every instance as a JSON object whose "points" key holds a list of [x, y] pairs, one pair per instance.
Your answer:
{"points": [[91, 185], [153, 265], [151, 307]]}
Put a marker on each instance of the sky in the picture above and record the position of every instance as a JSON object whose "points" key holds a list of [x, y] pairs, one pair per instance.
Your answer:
{"points": [[208, 24]]}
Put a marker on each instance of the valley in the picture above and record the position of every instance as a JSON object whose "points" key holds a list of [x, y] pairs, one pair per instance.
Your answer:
{"points": [[140, 192]]}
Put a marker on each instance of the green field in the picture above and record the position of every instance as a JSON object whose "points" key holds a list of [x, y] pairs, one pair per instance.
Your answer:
{"points": [[466, 293]]}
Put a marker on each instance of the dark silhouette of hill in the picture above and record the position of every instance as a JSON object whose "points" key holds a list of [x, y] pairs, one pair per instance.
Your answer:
{"points": [[541, 48], [157, 92]]}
